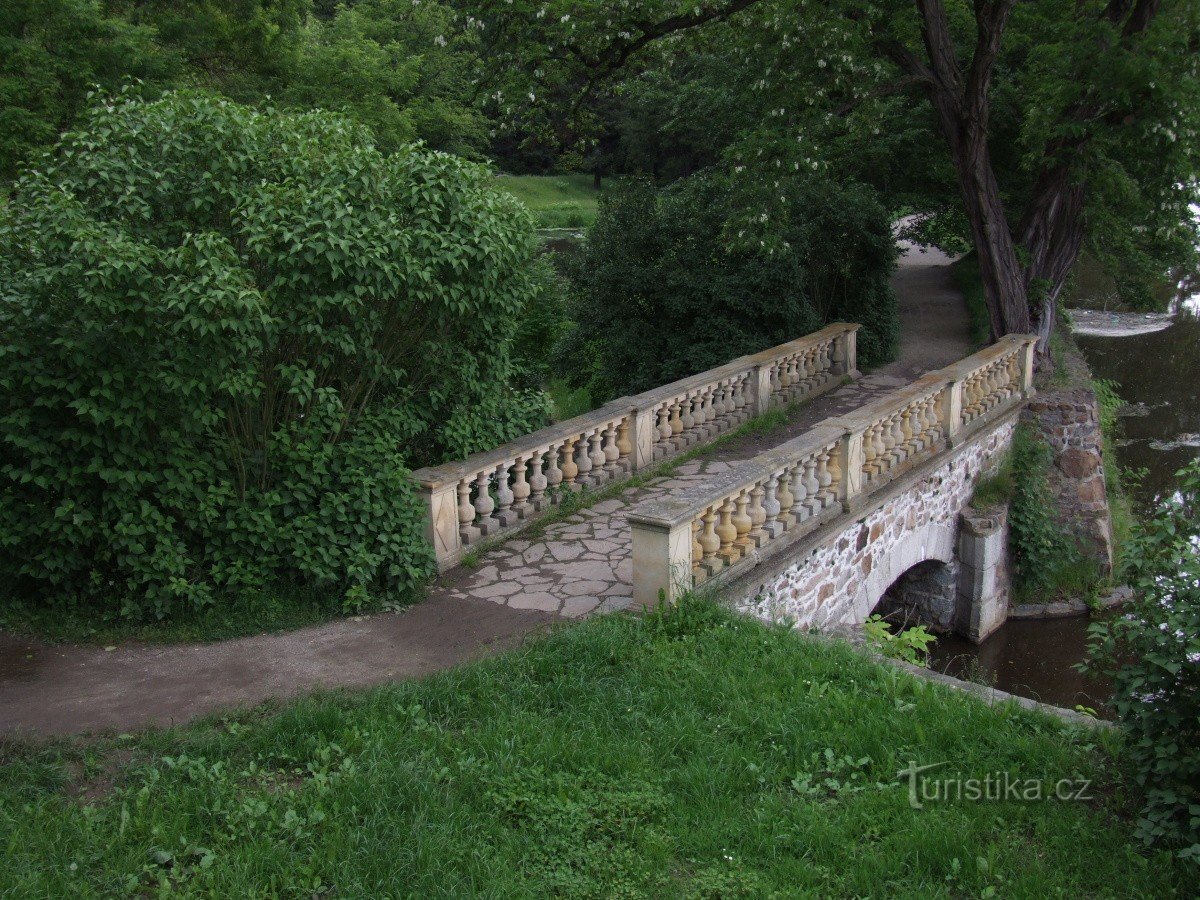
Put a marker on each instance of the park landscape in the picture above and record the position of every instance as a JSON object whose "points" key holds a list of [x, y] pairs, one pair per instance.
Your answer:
{"points": [[743, 448]]}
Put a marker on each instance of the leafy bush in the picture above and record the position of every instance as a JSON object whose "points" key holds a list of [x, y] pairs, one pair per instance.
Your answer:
{"points": [[1152, 656], [908, 644], [226, 333], [1042, 555], [663, 290]]}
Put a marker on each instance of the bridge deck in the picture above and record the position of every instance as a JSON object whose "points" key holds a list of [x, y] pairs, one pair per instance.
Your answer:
{"points": [[583, 564]]}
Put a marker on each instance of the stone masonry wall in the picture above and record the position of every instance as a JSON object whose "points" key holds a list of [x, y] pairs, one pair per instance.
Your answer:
{"points": [[1069, 422], [843, 578]]}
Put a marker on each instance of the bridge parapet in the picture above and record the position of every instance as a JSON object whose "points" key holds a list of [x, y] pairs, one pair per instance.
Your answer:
{"points": [[488, 493], [721, 529]]}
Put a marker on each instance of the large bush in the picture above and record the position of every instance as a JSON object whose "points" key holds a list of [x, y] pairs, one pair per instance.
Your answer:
{"points": [[225, 334], [1152, 655], [666, 288]]}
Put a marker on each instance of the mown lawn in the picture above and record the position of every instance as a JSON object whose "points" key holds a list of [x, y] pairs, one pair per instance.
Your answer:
{"points": [[694, 755], [557, 201]]}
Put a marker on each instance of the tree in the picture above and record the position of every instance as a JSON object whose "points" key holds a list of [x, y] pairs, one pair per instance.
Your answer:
{"points": [[52, 53], [227, 335], [1059, 120]]}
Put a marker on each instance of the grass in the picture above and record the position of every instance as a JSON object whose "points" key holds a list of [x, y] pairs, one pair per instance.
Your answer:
{"points": [[965, 273], [556, 201], [692, 754], [279, 609]]}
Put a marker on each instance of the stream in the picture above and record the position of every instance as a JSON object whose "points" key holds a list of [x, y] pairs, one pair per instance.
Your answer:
{"points": [[1154, 361]]}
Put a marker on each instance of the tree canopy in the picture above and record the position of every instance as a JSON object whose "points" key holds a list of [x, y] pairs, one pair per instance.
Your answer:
{"points": [[1024, 128]]}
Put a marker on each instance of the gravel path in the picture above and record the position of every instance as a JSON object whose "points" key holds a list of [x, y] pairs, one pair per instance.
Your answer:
{"points": [[579, 566]]}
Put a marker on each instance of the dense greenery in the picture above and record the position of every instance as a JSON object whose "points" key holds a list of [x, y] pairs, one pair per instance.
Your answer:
{"points": [[667, 289], [1029, 129], [1152, 655], [400, 67], [226, 335], [693, 755]]}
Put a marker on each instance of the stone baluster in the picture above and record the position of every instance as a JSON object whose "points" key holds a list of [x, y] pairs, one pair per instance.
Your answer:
{"points": [[697, 547], [484, 504], [504, 496], [554, 475], [872, 450], [570, 469], [520, 487], [758, 515], [538, 480], [611, 453], [799, 489], [835, 473], [727, 532], [776, 378], [597, 456], [466, 512], [583, 460], [812, 484], [824, 478], [786, 374], [772, 526], [686, 418], [624, 445], [710, 541], [899, 452], [785, 497], [664, 425], [706, 407], [742, 521], [676, 421]]}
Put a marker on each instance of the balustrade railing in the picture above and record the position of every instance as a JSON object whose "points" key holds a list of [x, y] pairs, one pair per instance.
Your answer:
{"points": [[490, 492], [697, 535]]}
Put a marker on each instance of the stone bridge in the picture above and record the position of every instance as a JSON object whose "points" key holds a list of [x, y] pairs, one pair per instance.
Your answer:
{"points": [[866, 507]]}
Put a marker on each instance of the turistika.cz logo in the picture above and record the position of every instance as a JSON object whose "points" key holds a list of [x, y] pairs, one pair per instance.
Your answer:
{"points": [[993, 787]]}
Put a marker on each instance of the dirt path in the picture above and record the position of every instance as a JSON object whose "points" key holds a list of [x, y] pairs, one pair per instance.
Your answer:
{"points": [[577, 567]]}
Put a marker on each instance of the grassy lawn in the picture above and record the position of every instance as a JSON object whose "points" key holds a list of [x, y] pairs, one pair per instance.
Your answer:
{"points": [[693, 755], [557, 201]]}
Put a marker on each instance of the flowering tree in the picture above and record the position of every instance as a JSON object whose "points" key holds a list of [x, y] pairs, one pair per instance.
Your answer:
{"points": [[1058, 121]]}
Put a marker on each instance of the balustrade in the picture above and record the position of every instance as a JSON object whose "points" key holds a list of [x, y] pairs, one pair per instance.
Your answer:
{"points": [[776, 498], [491, 492]]}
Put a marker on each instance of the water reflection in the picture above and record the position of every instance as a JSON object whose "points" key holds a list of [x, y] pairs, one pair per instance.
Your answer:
{"points": [[1157, 374], [1030, 658]]}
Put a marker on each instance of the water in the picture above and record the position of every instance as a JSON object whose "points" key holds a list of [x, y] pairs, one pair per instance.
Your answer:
{"points": [[1156, 375], [1032, 658]]}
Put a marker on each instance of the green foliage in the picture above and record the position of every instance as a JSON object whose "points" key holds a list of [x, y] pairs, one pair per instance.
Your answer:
{"points": [[398, 67], [665, 291], [1039, 547], [708, 756], [966, 279], [226, 336], [908, 644], [995, 488], [1152, 656], [51, 54]]}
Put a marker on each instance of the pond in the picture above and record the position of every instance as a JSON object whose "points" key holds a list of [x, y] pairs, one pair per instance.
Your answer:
{"points": [[1156, 373]]}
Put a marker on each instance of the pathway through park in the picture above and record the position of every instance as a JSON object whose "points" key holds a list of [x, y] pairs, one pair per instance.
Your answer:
{"points": [[576, 567]]}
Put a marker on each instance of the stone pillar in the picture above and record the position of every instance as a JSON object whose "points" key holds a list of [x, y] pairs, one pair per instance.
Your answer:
{"points": [[760, 388], [662, 559], [1068, 421], [441, 522], [983, 580]]}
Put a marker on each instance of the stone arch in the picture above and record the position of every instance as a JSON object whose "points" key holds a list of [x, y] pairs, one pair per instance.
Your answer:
{"points": [[932, 541]]}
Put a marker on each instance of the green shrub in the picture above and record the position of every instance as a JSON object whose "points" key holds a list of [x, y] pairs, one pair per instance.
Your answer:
{"points": [[226, 334], [1039, 548], [663, 292], [1152, 656]]}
